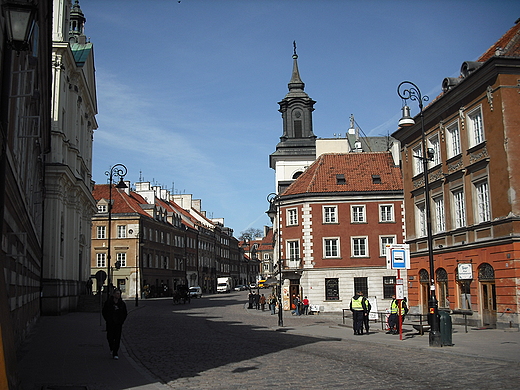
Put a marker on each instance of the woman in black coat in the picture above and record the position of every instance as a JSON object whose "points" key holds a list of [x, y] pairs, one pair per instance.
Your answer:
{"points": [[114, 313]]}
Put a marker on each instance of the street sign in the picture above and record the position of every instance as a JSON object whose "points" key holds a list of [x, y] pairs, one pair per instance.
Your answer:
{"points": [[398, 256], [465, 271]]}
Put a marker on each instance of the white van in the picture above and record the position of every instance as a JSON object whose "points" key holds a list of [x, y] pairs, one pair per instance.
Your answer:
{"points": [[195, 292]]}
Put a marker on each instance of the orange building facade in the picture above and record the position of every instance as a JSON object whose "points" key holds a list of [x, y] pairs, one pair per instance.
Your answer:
{"points": [[473, 129]]}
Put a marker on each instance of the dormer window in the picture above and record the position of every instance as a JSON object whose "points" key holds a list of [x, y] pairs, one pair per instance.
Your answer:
{"points": [[376, 179], [340, 179], [102, 208]]}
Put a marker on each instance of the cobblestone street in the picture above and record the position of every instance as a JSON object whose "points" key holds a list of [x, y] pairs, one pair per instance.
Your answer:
{"points": [[215, 342]]}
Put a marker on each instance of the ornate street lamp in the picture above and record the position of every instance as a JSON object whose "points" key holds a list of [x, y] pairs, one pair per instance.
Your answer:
{"points": [[408, 90], [274, 205], [118, 170], [20, 18]]}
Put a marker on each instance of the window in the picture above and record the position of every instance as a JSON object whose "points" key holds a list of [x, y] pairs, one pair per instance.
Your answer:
{"points": [[483, 213], [331, 247], [359, 246], [358, 214], [332, 289], [121, 257], [293, 247], [476, 129], [361, 284], [292, 217], [101, 260], [388, 286], [102, 208], [439, 223], [433, 143], [121, 231], [417, 158], [453, 140], [267, 256], [386, 213], [420, 219], [459, 209], [330, 214], [384, 241], [101, 232]]}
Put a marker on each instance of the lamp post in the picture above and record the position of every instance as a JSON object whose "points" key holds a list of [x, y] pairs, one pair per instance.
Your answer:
{"points": [[120, 171], [408, 90], [274, 205], [20, 18]]}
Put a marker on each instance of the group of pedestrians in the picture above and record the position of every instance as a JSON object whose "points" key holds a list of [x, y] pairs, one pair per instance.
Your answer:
{"points": [[300, 306], [360, 308]]}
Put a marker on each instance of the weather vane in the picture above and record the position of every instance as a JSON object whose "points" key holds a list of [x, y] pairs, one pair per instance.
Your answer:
{"points": [[295, 56]]}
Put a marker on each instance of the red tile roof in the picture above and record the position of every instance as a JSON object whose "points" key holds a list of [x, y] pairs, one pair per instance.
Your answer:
{"points": [[357, 169], [122, 202], [508, 44]]}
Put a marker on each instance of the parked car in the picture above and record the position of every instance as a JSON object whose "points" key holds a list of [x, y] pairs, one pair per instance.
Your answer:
{"points": [[195, 292], [240, 287]]}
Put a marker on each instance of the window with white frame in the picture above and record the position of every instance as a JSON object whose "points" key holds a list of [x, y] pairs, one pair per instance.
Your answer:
{"points": [[384, 241], [267, 256], [330, 214], [453, 140], [331, 247], [476, 128], [101, 260], [101, 232], [417, 160], [292, 217], [420, 219], [102, 208], [386, 213], [358, 213], [293, 249], [121, 231], [459, 209], [359, 246], [121, 257], [433, 143], [482, 192], [439, 222]]}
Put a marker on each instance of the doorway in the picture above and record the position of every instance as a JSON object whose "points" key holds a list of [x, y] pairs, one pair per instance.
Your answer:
{"points": [[488, 298]]}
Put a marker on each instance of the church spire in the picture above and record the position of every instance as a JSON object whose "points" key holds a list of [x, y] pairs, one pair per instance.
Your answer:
{"points": [[296, 84]]}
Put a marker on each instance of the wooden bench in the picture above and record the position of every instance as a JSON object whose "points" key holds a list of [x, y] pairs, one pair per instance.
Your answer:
{"points": [[421, 328]]}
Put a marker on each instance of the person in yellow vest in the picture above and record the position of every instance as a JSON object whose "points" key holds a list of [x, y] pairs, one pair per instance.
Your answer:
{"points": [[393, 320], [358, 307]]}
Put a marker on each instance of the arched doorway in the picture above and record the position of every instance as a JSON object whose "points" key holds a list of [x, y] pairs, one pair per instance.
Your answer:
{"points": [[488, 299], [441, 276], [424, 294]]}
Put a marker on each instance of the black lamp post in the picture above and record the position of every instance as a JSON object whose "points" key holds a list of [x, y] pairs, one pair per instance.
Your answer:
{"points": [[274, 205], [120, 171], [408, 90]]}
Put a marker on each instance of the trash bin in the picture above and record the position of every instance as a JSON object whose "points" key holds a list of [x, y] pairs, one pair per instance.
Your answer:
{"points": [[445, 328]]}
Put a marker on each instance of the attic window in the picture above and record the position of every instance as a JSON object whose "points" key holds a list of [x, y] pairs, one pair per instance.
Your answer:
{"points": [[340, 179], [376, 179]]}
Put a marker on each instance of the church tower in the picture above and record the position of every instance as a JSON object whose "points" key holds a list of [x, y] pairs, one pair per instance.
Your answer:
{"points": [[297, 147]]}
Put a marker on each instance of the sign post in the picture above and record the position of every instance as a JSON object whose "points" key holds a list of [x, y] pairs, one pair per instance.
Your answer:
{"points": [[398, 257]]}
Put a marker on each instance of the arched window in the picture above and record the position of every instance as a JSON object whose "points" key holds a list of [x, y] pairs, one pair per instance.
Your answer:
{"points": [[423, 276], [486, 273]]}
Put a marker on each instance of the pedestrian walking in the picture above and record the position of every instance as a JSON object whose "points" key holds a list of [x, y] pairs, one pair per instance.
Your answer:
{"points": [[305, 305], [271, 300], [358, 307], [251, 299], [262, 302], [114, 312], [257, 301]]}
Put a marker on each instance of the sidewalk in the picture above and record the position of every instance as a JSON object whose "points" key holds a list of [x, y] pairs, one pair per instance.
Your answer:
{"points": [[498, 344], [70, 352]]}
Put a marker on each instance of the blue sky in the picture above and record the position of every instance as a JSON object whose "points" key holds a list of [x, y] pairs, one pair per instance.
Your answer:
{"points": [[188, 91]]}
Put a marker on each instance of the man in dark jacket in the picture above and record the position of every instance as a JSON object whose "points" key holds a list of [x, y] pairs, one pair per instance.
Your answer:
{"points": [[114, 313], [358, 307]]}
